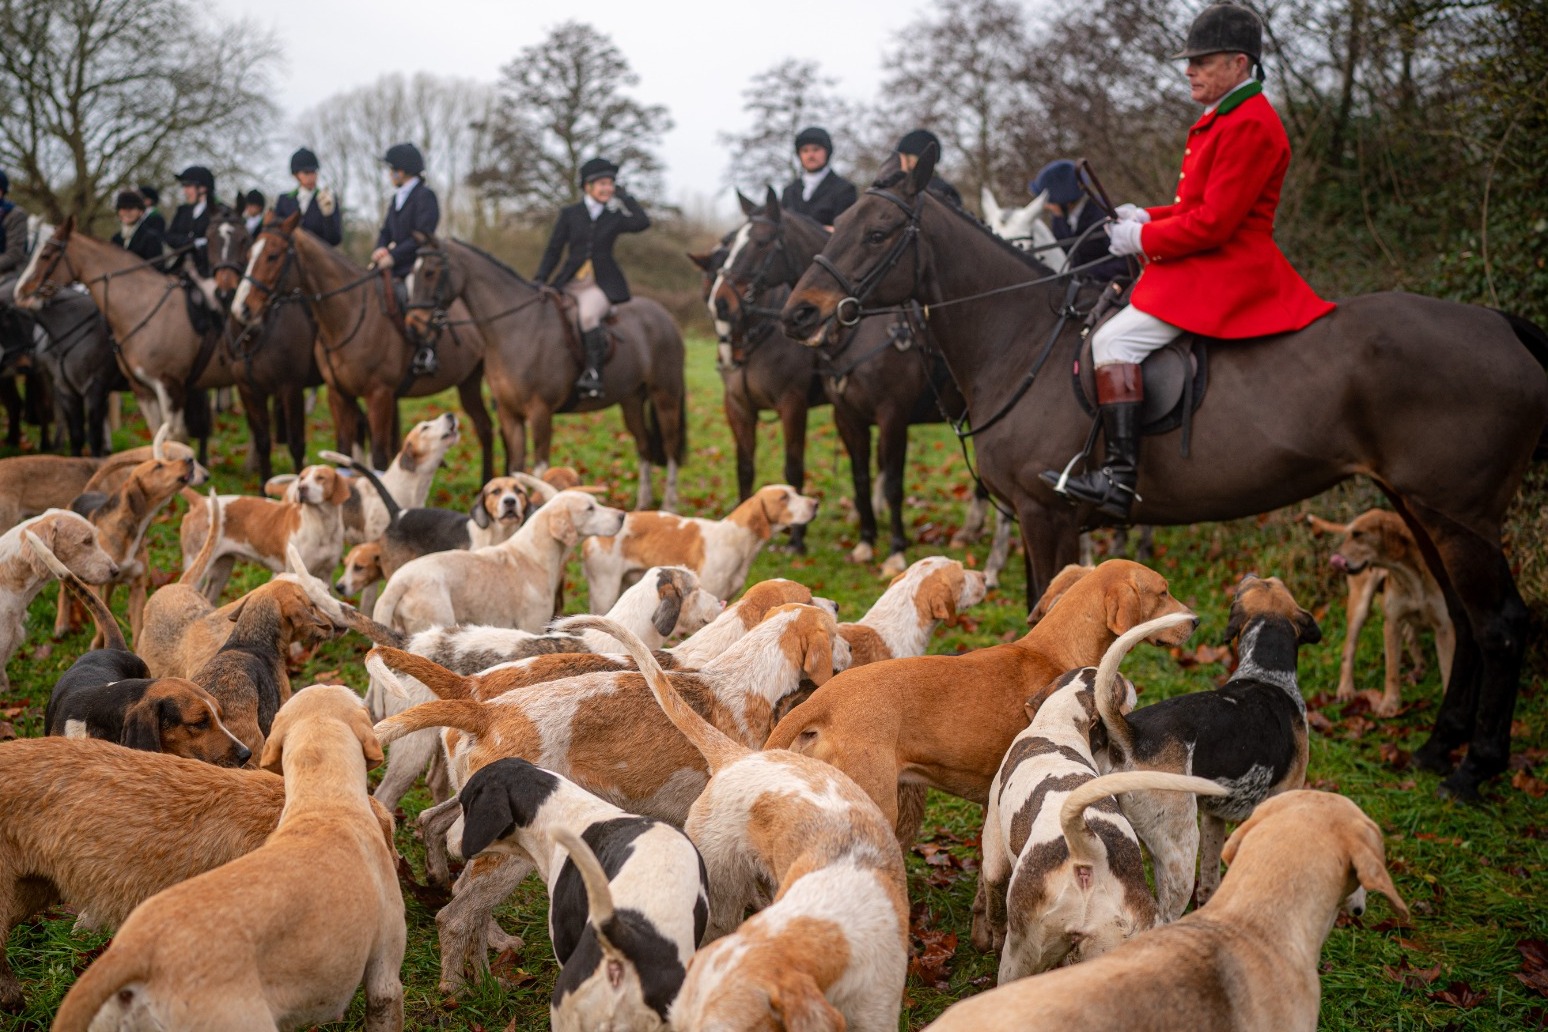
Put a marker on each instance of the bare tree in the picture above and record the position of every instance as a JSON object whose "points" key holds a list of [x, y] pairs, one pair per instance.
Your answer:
{"points": [[440, 115], [98, 94], [562, 102], [781, 101]]}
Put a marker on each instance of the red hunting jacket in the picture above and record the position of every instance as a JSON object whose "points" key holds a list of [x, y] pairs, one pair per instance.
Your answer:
{"points": [[1212, 265]]}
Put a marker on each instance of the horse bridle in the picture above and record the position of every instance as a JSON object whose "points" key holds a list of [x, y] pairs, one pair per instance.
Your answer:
{"points": [[856, 294]]}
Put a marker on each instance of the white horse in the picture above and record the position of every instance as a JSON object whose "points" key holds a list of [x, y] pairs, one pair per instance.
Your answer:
{"points": [[1024, 228]]}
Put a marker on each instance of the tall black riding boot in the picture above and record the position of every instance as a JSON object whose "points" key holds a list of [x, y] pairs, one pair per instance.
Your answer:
{"points": [[1120, 394], [595, 343]]}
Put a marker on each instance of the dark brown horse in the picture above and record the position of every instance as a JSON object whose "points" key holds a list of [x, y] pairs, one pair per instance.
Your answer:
{"points": [[1442, 404], [286, 327], [360, 351], [531, 358], [874, 378]]}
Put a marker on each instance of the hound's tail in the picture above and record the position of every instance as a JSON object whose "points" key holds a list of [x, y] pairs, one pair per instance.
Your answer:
{"points": [[444, 683], [194, 575], [1083, 844], [101, 615], [349, 616], [539, 489], [718, 750], [115, 983], [1111, 698], [340, 459], [463, 714], [599, 894]]}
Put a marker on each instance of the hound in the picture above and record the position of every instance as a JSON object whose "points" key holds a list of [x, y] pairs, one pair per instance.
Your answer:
{"points": [[916, 601], [23, 572], [509, 585], [832, 950], [1378, 552], [945, 721], [1059, 885], [259, 530], [719, 551], [30, 485], [628, 896], [317, 905], [738, 689], [1248, 736]]}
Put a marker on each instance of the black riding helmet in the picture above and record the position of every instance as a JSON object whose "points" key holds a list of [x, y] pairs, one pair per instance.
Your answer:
{"points": [[129, 200], [915, 142], [405, 157], [198, 175], [303, 160], [597, 168], [1225, 28], [253, 197], [814, 134]]}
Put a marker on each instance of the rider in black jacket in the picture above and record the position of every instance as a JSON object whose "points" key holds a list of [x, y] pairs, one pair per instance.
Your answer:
{"points": [[590, 274], [320, 212], [413, 209], [191, 221], [818, 192], [136, 233]]}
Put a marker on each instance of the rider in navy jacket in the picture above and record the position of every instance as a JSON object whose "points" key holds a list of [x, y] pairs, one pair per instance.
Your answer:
{"points": [[320, 212], [413, 209], [1073, 214]]}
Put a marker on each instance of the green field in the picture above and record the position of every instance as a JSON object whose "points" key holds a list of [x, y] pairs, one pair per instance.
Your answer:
{"points": [[1474, 877]]}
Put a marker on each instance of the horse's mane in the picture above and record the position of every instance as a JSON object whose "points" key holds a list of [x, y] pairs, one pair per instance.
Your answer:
{"points": [[496, 262], [891, 179]]}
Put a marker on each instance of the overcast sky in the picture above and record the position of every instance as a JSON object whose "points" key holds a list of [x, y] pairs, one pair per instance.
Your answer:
{"points": [[695, 58]]}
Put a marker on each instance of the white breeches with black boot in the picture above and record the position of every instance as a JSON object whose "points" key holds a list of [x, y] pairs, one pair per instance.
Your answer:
{"points": [[591, 307]]}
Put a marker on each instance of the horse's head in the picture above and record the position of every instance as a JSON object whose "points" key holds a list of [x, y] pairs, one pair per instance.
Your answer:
{"points": [[229, 242], [1024, 227], [267, 258], [48, 270], [432, 283], [709, 263], [873, 257], [758, 259]]}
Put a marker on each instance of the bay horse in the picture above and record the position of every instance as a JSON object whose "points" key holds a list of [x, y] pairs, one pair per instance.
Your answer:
{"points": [[531, 358], [760, 369], [168, 361], [359, 350], [1442, 404], [871, 379], [70, 345], [287, 327]]}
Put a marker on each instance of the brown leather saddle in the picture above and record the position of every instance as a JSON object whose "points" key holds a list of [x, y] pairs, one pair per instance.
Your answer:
{"points": [[1176, 378], [572, 331]]}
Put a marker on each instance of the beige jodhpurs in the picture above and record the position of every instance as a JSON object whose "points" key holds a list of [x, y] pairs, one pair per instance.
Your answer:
{"points": [[591, 305]]}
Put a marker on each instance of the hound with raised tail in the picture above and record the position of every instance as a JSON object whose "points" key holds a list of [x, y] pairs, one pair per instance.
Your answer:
{"points": [[23, 573], [739, 690], [1248, 960], [509, 585], [283, 935], [832, 950], [719, 551], [628, 899], [1059, 884], [259, 530], [916, 601], [1248, 736]]}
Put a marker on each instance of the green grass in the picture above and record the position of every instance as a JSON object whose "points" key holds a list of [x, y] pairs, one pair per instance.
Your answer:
{"points": [[1473, 876]]}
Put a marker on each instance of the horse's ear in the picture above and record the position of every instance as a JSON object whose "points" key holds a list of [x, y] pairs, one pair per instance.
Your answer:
{"points": [[924, 170], [291, 222], [990, 206], [66, 227], [771, 204], [421, 238], [701, 260], [748, 207]]}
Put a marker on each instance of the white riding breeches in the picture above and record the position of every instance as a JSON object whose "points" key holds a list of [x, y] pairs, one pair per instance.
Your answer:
{"points": [[591, 304], [1129, 337]]}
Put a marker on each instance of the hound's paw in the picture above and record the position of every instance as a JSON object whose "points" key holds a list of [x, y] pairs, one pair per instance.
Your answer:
{"points": [[862, 553]]}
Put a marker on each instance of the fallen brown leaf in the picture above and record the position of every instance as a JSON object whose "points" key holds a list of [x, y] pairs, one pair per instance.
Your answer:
{"points": [[1409, 976], [1460, 994], [1524, 781], [1394, 756]]}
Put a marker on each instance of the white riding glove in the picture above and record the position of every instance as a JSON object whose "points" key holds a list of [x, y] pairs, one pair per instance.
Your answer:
{"points": [[1132, 213], [1125, 238]]}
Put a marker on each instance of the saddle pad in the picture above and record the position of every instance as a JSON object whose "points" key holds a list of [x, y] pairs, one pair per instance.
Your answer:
{"points": [[1167, 374]]}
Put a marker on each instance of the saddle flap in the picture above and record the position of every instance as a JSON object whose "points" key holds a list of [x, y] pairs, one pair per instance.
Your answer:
{"points": [[1166, 373]]}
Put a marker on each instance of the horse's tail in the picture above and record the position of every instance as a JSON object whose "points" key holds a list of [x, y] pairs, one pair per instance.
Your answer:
{"points": [[388, 501], [655, 444], [1535, 339]]}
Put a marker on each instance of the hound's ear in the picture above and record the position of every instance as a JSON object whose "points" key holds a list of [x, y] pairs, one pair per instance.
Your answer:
{"points": [[486, 817], [1035, 703], [748, 207], [273, 755], [1123, 606], [1370, 866], [803, 1006], [771, 205], [479, 512], [339, 493], [920, 177], [142, 727], [943, 597], [360, 723], [561, 525], [1306, 626], [1232, 844], [817, 664], [236, 612], [669, 606], [1238, 622]]}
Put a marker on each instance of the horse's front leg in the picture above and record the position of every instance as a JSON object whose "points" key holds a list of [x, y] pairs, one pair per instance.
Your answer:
{"points": [[856, 435], [1051, 538], [256, 406], [792, 417], [633, 410], [742, 418], [471, 393], [541, 419], [892, 454], [291, 402], [381, 414]]}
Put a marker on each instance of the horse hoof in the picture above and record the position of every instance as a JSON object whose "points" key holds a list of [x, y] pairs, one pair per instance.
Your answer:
{"points": [[991, 581], [1462, 787], [862, 553], [896, 563], [1434, 758]]}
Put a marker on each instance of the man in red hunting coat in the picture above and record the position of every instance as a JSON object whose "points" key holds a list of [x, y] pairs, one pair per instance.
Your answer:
{"points": [[1211, 264]]}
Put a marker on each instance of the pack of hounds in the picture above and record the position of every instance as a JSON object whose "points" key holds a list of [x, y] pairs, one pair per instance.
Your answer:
{"points": [[720, 824]]}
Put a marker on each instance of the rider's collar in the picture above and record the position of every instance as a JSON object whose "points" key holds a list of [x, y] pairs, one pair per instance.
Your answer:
{"points": [[1238, 96]]}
